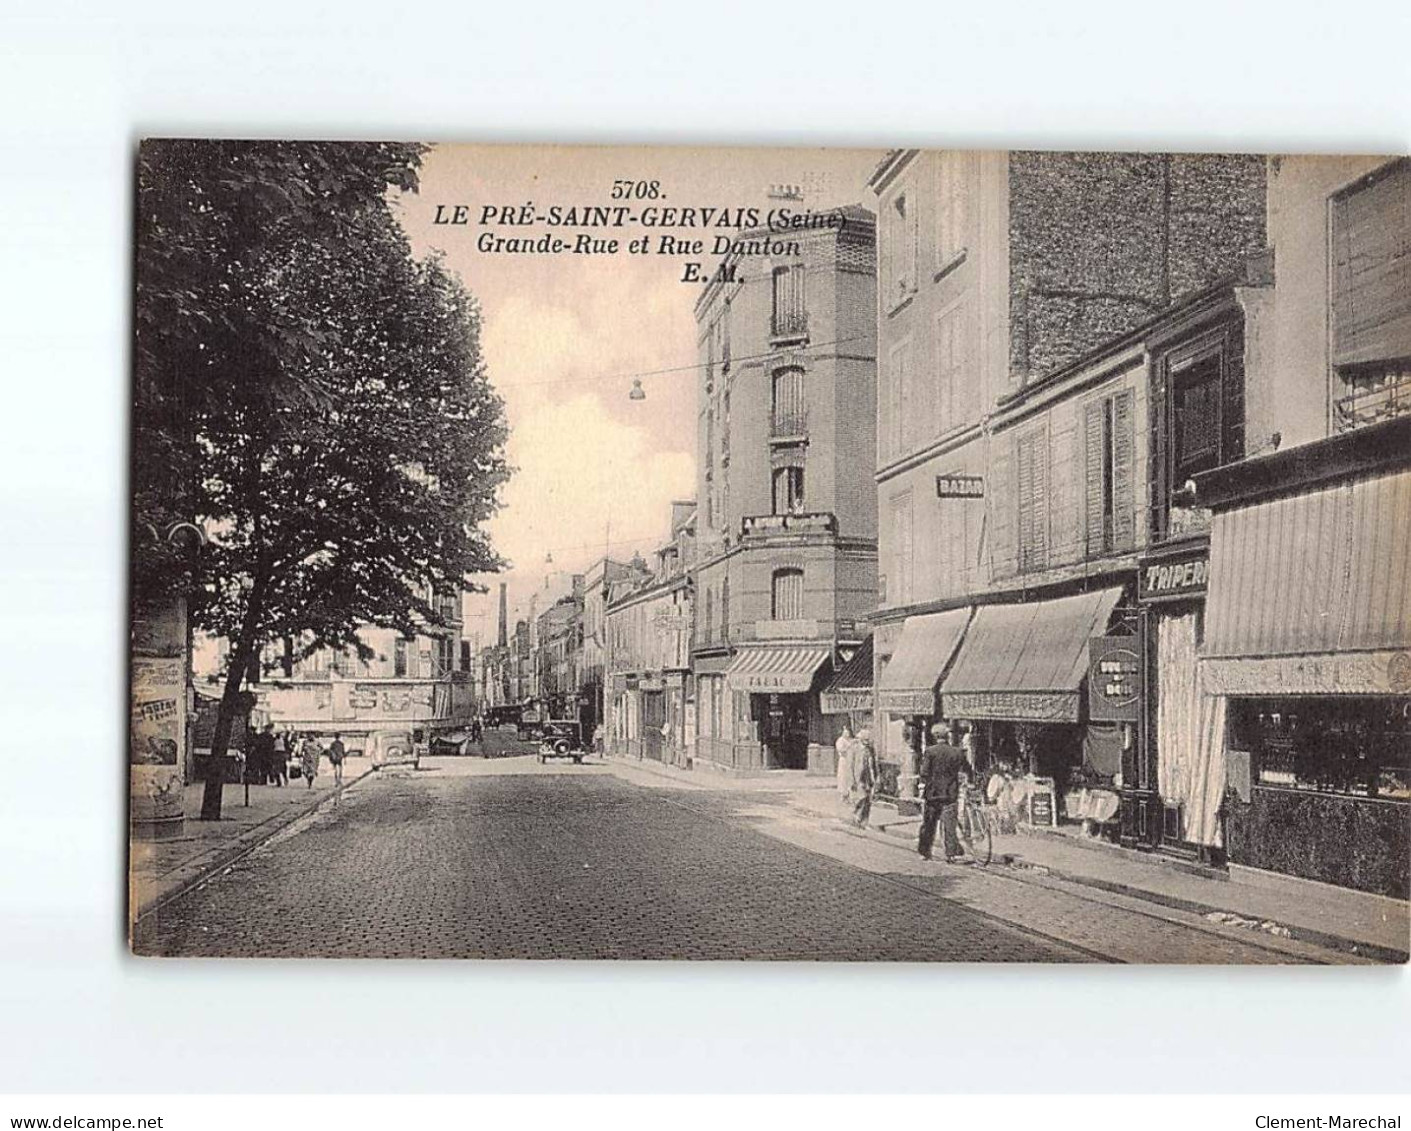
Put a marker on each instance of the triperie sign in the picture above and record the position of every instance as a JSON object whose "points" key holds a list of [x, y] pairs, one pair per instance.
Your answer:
{"points": [[1170, 578]]}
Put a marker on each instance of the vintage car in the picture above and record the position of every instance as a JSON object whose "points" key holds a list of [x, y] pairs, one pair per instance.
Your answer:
{"points": [[562, 738], [394, 748]]}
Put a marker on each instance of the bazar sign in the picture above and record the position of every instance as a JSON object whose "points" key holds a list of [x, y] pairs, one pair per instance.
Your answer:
{"points": [[1114, 679], [1181, 576], [960, 486]]}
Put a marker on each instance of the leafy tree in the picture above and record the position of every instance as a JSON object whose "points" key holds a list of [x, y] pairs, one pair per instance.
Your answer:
{"points": [[322, 403]]}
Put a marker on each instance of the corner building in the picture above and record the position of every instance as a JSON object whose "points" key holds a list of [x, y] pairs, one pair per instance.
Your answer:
{"points": [[785, 574]]}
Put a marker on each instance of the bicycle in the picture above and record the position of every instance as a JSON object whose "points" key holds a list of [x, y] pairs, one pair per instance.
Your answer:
{"points": [[972, 827]]}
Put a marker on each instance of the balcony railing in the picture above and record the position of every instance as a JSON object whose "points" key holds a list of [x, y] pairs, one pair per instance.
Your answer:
{"points": [[1372, 401], [788, 423], [789, 323], [787, 523]]}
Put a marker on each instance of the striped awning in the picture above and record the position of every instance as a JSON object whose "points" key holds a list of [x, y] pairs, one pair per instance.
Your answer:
{"points": [[907, 685], [782, 669], [1027, 661], [1312, 594], [850, 689]]}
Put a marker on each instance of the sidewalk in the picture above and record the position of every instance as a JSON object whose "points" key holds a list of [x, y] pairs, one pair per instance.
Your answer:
{"points": [[1335, 918], [159, 870], [766, 781]]}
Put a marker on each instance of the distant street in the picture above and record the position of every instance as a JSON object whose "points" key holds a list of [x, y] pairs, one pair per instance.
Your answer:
{"points": [[505, 858]]}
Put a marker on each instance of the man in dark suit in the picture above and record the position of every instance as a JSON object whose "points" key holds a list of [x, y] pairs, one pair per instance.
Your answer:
{"points": [[942, 766]]}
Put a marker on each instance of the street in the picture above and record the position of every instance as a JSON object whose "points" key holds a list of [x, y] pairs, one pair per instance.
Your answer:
{"points": [[505, 858]]}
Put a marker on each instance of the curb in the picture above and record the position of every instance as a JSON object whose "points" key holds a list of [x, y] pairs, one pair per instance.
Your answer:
{"points": [[241, 847], [1322, 939]]}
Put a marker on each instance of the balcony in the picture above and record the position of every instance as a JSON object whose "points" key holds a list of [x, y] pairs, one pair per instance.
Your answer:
{"points": [[1374, 399], [788, 425], [767, 524], [788, 325]]}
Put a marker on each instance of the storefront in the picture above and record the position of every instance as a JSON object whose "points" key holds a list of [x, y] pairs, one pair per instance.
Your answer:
{"points": [[849, 695], [1307, 647], [1169, 797], [778, 687], [906, 689], [1018, 679]]}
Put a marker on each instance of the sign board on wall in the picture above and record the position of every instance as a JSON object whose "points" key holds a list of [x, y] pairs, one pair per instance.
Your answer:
{"points": [[960, 486], [1114, 679], [1174, 577]]}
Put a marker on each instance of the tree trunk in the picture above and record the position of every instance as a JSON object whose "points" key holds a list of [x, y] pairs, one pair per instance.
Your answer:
{"points": [[245, 649]]}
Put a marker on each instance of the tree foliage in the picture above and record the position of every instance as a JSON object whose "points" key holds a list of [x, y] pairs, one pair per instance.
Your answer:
{"points": [[308, 391]]}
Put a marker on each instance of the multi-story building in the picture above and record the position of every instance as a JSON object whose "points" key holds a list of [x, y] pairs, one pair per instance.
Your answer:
{"points": [[560, 642], [598, 579], [648, 620], [786, 510], [407, 682], [1301, 752], [1012, 449]]}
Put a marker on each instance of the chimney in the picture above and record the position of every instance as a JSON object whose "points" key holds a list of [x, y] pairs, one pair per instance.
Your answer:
{"points": [[504, 617]]}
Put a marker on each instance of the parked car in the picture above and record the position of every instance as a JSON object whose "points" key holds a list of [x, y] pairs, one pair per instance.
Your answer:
{"points": [[393, 748]]}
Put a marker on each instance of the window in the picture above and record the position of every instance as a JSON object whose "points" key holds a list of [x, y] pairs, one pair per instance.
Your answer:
{"points": [[1031, 463], [1197, 423], [709, 619], [1195, 418], [790, 314], [787, 594], [1109, 460], [899, 572], [399, 658], [466, 656], [898, 399], [725, 609], [900, 250], [1348, 745], [949, 369], [1370, 271], [788, 490], [952, 205], [789, 418]]}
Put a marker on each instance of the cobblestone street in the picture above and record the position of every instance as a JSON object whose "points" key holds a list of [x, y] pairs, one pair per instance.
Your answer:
{"points": [[506, 858]]}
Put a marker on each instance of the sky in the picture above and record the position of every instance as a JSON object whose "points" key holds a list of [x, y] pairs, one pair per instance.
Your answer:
{"points": [[564, 336]]}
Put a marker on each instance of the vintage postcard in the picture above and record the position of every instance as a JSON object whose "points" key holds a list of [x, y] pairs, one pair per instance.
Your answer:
{"points": [[770, 554]]}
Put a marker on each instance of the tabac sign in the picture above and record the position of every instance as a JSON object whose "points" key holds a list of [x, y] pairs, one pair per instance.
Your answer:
{"points": [[1175, 576], [1114, 679]]}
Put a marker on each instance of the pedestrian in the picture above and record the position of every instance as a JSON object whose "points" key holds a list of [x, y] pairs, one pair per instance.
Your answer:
{"points": [[263, 755], [865, 772], [942, 767], [843, 747], [309, 754], [336, 754]]}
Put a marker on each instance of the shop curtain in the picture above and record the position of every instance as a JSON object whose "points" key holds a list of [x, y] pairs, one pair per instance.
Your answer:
{"points": [[1190, 733], [1102, 748]]}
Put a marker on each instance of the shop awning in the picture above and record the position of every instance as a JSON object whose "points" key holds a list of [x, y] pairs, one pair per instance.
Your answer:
{"points": [[907, 685], [782, 669], [850, 689], [1311, 595], [1026, 661]]}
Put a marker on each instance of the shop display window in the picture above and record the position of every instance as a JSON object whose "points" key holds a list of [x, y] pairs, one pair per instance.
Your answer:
{"points": [[1355, 746]]}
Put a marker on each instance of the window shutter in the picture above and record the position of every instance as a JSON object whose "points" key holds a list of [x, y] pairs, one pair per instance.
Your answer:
{"points": [[1158, 458], [1124, 527], [1371, 252], [1000, 503], [1031, 462], [1092, 478]]}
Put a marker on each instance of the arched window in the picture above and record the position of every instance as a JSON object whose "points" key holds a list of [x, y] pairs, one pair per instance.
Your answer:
{"points": [[787, 594]]}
